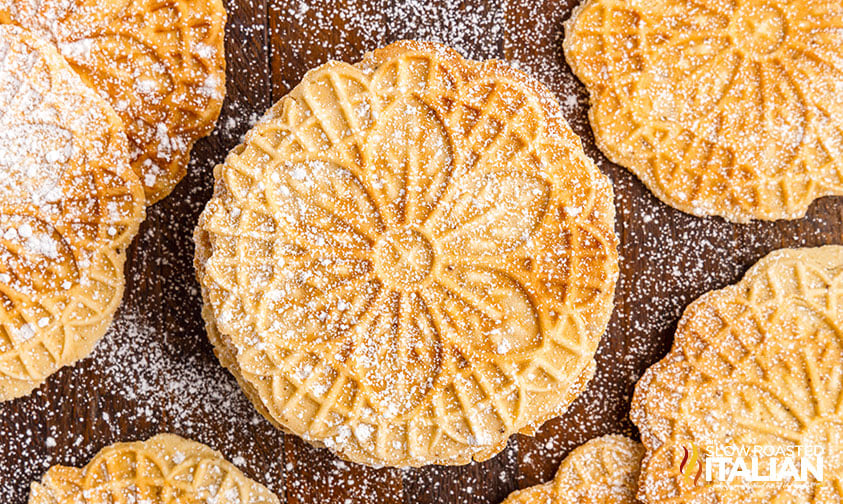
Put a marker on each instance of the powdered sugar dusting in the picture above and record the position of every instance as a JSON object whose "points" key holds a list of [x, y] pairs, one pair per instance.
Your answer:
{"points": [[178, 391], [160, 68], [748, 98], [456, 260], [667, 260]]}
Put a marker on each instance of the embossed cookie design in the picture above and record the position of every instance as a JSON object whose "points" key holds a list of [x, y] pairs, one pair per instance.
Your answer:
{"points": [[70, 204], [160, 64], [409, 259], [161, 470], [754, 378], [721, 108]]}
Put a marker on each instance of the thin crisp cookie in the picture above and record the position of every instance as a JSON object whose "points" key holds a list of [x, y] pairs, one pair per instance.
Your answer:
{"points": [[161, 470], [160, 64], [721, 108], [602, 471], [754, 379], [70, 204], [410, 259]]}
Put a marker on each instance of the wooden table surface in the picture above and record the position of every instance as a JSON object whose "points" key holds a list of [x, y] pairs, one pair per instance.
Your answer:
{"points": [[155, 371]]}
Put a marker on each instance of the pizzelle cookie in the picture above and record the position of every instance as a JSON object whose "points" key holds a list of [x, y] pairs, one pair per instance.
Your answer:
{"points": [[756, 370], [602, 471], [721, 108], [160, 64], [409, 259], [162, 470], [69, 206]]}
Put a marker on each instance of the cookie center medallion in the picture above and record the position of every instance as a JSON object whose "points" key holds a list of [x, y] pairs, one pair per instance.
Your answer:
{"points": [[403, 258], [758, 28]]}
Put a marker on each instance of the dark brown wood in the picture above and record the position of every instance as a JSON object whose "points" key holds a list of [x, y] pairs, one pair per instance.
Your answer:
{"points": [[155, 371]]}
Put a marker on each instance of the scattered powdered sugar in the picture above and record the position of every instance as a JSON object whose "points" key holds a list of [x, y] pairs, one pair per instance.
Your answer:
{"points": [[79, 50], [161, 70], [156, 377], [472, 28], [177, 390], [155, 371]]}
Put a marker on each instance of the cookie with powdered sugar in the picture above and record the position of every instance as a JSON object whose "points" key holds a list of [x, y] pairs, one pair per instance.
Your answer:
{"points": [[602, 471], [755, 371], [409, 259], [162, 470], [69, 206], [721, 108], [160, 64]]}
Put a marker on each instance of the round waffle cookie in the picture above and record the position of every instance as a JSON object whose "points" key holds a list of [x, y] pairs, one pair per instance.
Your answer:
{"points": [[69, 206], [729, 108], [163, 470], [409, 259], [602, 471], [755, 370], [159, 63]]}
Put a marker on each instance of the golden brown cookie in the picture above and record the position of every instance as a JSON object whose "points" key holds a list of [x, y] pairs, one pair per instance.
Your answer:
{"points": [[409, 259], [756, 367], [160, 64], [538, 494], [729, 108], [69, 206], [602, 471], [162, 470]]}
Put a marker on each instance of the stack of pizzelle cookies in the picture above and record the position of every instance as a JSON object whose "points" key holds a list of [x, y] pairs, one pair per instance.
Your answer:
{"points": [[409, 259], [100, 104]]}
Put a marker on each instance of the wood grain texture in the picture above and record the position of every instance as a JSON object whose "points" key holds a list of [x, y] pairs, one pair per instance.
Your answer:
{"points": [[155, 371]]}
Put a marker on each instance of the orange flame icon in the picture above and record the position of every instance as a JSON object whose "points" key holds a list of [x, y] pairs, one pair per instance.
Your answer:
{"points": [[686, 467]]}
